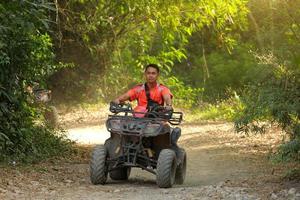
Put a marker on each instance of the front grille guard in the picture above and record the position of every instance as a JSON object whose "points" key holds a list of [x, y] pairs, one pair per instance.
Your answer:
{"points": [[132, 126]]}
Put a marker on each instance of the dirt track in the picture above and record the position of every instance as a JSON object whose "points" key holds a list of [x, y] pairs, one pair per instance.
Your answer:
{"points": [[221, 165]]}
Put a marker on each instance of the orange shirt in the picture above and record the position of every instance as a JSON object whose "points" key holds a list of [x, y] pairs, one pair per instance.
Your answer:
{"points": [[138, 93]]}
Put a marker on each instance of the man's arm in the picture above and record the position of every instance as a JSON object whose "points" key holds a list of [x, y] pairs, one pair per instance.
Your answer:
{"points": [[121, 99], [168, 100], [129, 95]]}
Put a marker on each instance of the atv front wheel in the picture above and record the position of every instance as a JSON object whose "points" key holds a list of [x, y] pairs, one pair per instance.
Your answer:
{"points": [[98, 165], [181, 168], [120, 174], [112, 146], [166, 168]]}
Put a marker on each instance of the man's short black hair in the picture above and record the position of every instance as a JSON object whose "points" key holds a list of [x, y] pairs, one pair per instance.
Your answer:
{"points": [[153, 66]]}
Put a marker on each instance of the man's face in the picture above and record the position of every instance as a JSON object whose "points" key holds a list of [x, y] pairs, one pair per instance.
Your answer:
{"points": [[151, 75]]}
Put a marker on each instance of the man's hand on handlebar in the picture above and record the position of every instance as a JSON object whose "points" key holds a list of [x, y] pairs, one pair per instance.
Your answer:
{"points": [[122, 99], [168, 108], [116, 101], [119, 107]]}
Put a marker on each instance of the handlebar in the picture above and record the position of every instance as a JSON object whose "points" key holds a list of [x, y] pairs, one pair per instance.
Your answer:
{"points": [[157, 112], [117, 108]]}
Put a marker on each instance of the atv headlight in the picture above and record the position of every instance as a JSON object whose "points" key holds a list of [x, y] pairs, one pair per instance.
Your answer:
{"points": [[115, 124], [152, 128]]}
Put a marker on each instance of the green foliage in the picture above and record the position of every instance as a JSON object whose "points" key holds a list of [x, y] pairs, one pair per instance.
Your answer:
{"points": [[184, 96], [276, 99], [288, 151], [226, 71], [276, 94], [25, 56], [227, 110], [118, 39], [204, 49]]}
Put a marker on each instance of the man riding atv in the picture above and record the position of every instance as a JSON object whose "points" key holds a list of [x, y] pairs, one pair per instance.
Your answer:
{"points": [[143, 137], [149, 94]]}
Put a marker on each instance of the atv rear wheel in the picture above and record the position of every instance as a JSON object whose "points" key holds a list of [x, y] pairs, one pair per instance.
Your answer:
{"points": [[98, 165], [120, 174], [166, 168], [181, 168]]}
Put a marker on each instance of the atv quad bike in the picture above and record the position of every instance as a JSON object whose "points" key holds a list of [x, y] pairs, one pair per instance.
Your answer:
{"points": [[149, 143]]}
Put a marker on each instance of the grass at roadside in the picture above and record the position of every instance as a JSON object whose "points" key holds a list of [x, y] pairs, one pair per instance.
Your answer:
{"points": [[222, 111]]}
